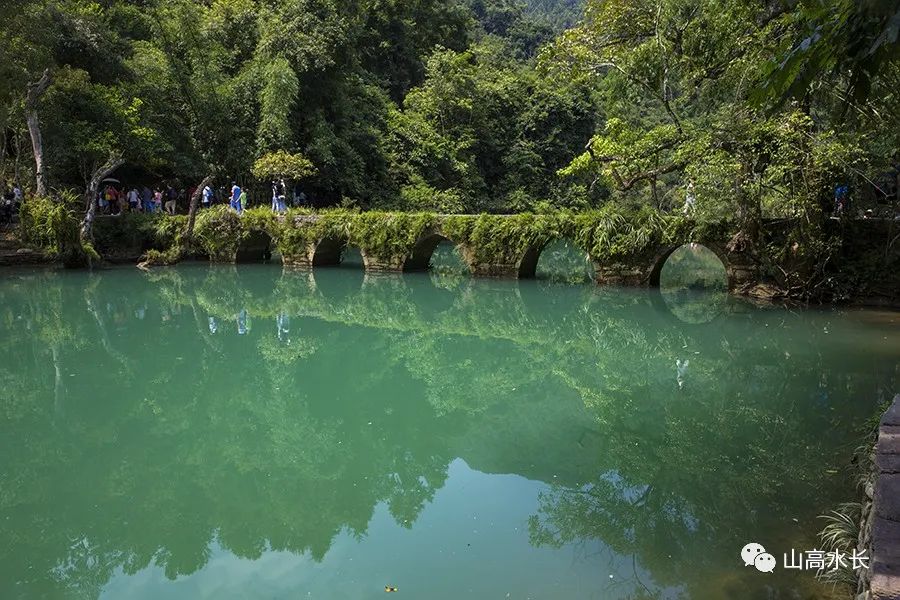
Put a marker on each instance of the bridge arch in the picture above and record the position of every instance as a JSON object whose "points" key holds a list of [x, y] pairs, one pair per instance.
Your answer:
{"points": [[571, 260], [327, 251], [419, 258], [659, 261], [255, 246], [335, 285], [527, 267]]}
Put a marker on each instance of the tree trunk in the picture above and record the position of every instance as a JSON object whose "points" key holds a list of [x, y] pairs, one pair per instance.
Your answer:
{"points": [[87, 225], [4, 143], [18, 139], [188, 236], [35, 91], [104, 336]]}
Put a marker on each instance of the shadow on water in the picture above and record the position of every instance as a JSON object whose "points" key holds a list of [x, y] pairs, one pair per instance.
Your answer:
{"points": [[164, 422], [351, 258]]}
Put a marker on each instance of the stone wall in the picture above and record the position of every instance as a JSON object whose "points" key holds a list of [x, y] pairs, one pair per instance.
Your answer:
{"points": [[880, 531]]}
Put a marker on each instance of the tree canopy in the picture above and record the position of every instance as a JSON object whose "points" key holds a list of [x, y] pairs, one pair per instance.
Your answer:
{"points": [[467, 105]]}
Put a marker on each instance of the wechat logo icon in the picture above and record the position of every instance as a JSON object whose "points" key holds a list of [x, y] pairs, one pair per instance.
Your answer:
{"points": [[755, 555]]}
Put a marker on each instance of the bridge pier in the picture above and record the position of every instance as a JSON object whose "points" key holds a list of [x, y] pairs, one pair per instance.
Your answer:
{"points": [[320, 253], [741, 271], [510, 267], [383, 264], [622, 274], [302, 260]]}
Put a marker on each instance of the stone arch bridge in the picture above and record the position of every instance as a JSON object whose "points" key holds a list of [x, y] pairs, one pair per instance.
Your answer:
{"points": [[641, 268]]}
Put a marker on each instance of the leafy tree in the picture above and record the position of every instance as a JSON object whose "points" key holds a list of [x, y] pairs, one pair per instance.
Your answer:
{"points": [[281, 164]]}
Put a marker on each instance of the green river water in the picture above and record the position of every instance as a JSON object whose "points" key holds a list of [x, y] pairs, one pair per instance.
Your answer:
{"points": [[244, 432]]}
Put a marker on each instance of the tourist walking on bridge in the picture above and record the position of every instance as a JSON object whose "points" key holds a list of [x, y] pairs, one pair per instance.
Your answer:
{"points": [[278, 201], [236, 197], [690, 200]]}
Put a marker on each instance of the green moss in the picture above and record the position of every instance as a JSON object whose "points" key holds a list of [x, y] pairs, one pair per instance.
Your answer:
{"points": [[218, 231], [296, 230], [260, 218], [504, 239], [383, 235], [170, 256], [610, 233]]}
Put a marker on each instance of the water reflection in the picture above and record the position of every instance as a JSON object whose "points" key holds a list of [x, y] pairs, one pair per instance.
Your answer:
{"points": [[694, 285], [254, 413], [562, 261]]}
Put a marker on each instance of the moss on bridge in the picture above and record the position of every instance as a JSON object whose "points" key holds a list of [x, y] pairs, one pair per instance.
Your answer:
{"points": [[393, 237], [626, 247]]}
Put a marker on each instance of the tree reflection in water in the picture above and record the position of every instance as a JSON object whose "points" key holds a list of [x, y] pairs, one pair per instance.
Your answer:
{"points": [[134, 441]]}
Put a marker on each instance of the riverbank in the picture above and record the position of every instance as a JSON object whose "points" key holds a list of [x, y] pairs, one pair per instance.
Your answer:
{"points": [[13, 253]]}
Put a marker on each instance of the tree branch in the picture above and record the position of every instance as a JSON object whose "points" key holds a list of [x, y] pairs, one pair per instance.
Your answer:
{"points": [[192, 211], [624, 185], [87, 225]]}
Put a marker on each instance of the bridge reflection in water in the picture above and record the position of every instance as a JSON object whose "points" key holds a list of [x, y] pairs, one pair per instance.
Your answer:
{"points": [[164, 422]]}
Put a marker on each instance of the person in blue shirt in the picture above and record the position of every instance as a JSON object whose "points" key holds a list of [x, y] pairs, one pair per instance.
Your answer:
{"points": [[147, 198], [236, 197], [840, 199]]}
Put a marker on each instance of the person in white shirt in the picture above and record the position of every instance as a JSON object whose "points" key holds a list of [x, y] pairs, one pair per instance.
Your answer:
{"points": [[690, 200]]}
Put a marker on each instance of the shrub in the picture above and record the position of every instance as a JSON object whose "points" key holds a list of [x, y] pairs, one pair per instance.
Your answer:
{"points": [[611, 232], [50, 224], [219, 230], [137, 232]]}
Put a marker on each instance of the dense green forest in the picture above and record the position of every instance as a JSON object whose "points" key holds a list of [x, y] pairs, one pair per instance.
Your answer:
{"points": [[466, 105]]}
